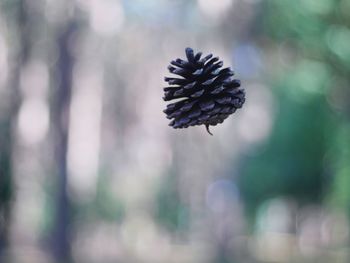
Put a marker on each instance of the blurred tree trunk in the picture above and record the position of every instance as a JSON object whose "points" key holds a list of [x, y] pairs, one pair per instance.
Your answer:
{"points": [[19, 56], [63, 74], [5, 181]]}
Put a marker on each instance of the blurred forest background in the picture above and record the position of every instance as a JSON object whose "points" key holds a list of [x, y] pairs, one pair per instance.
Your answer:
{"points": [[90, 171]]}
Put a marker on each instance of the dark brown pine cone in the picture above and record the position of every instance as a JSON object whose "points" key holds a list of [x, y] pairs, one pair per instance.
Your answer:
{"points": [[206, 93]]}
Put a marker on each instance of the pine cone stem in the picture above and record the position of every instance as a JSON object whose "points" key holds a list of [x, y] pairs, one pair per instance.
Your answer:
{"points": [[207, 127]]}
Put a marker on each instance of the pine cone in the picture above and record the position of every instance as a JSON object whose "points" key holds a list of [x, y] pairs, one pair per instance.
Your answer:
{"points": [[208, 94]]}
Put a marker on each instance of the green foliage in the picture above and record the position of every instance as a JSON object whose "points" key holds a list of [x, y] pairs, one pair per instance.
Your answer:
{"points": [[108, 207], [171, 212], [293, 160], [340, 195]]}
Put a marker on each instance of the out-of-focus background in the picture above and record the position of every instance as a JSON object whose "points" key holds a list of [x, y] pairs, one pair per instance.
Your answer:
{"points": [[91, 172]]}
